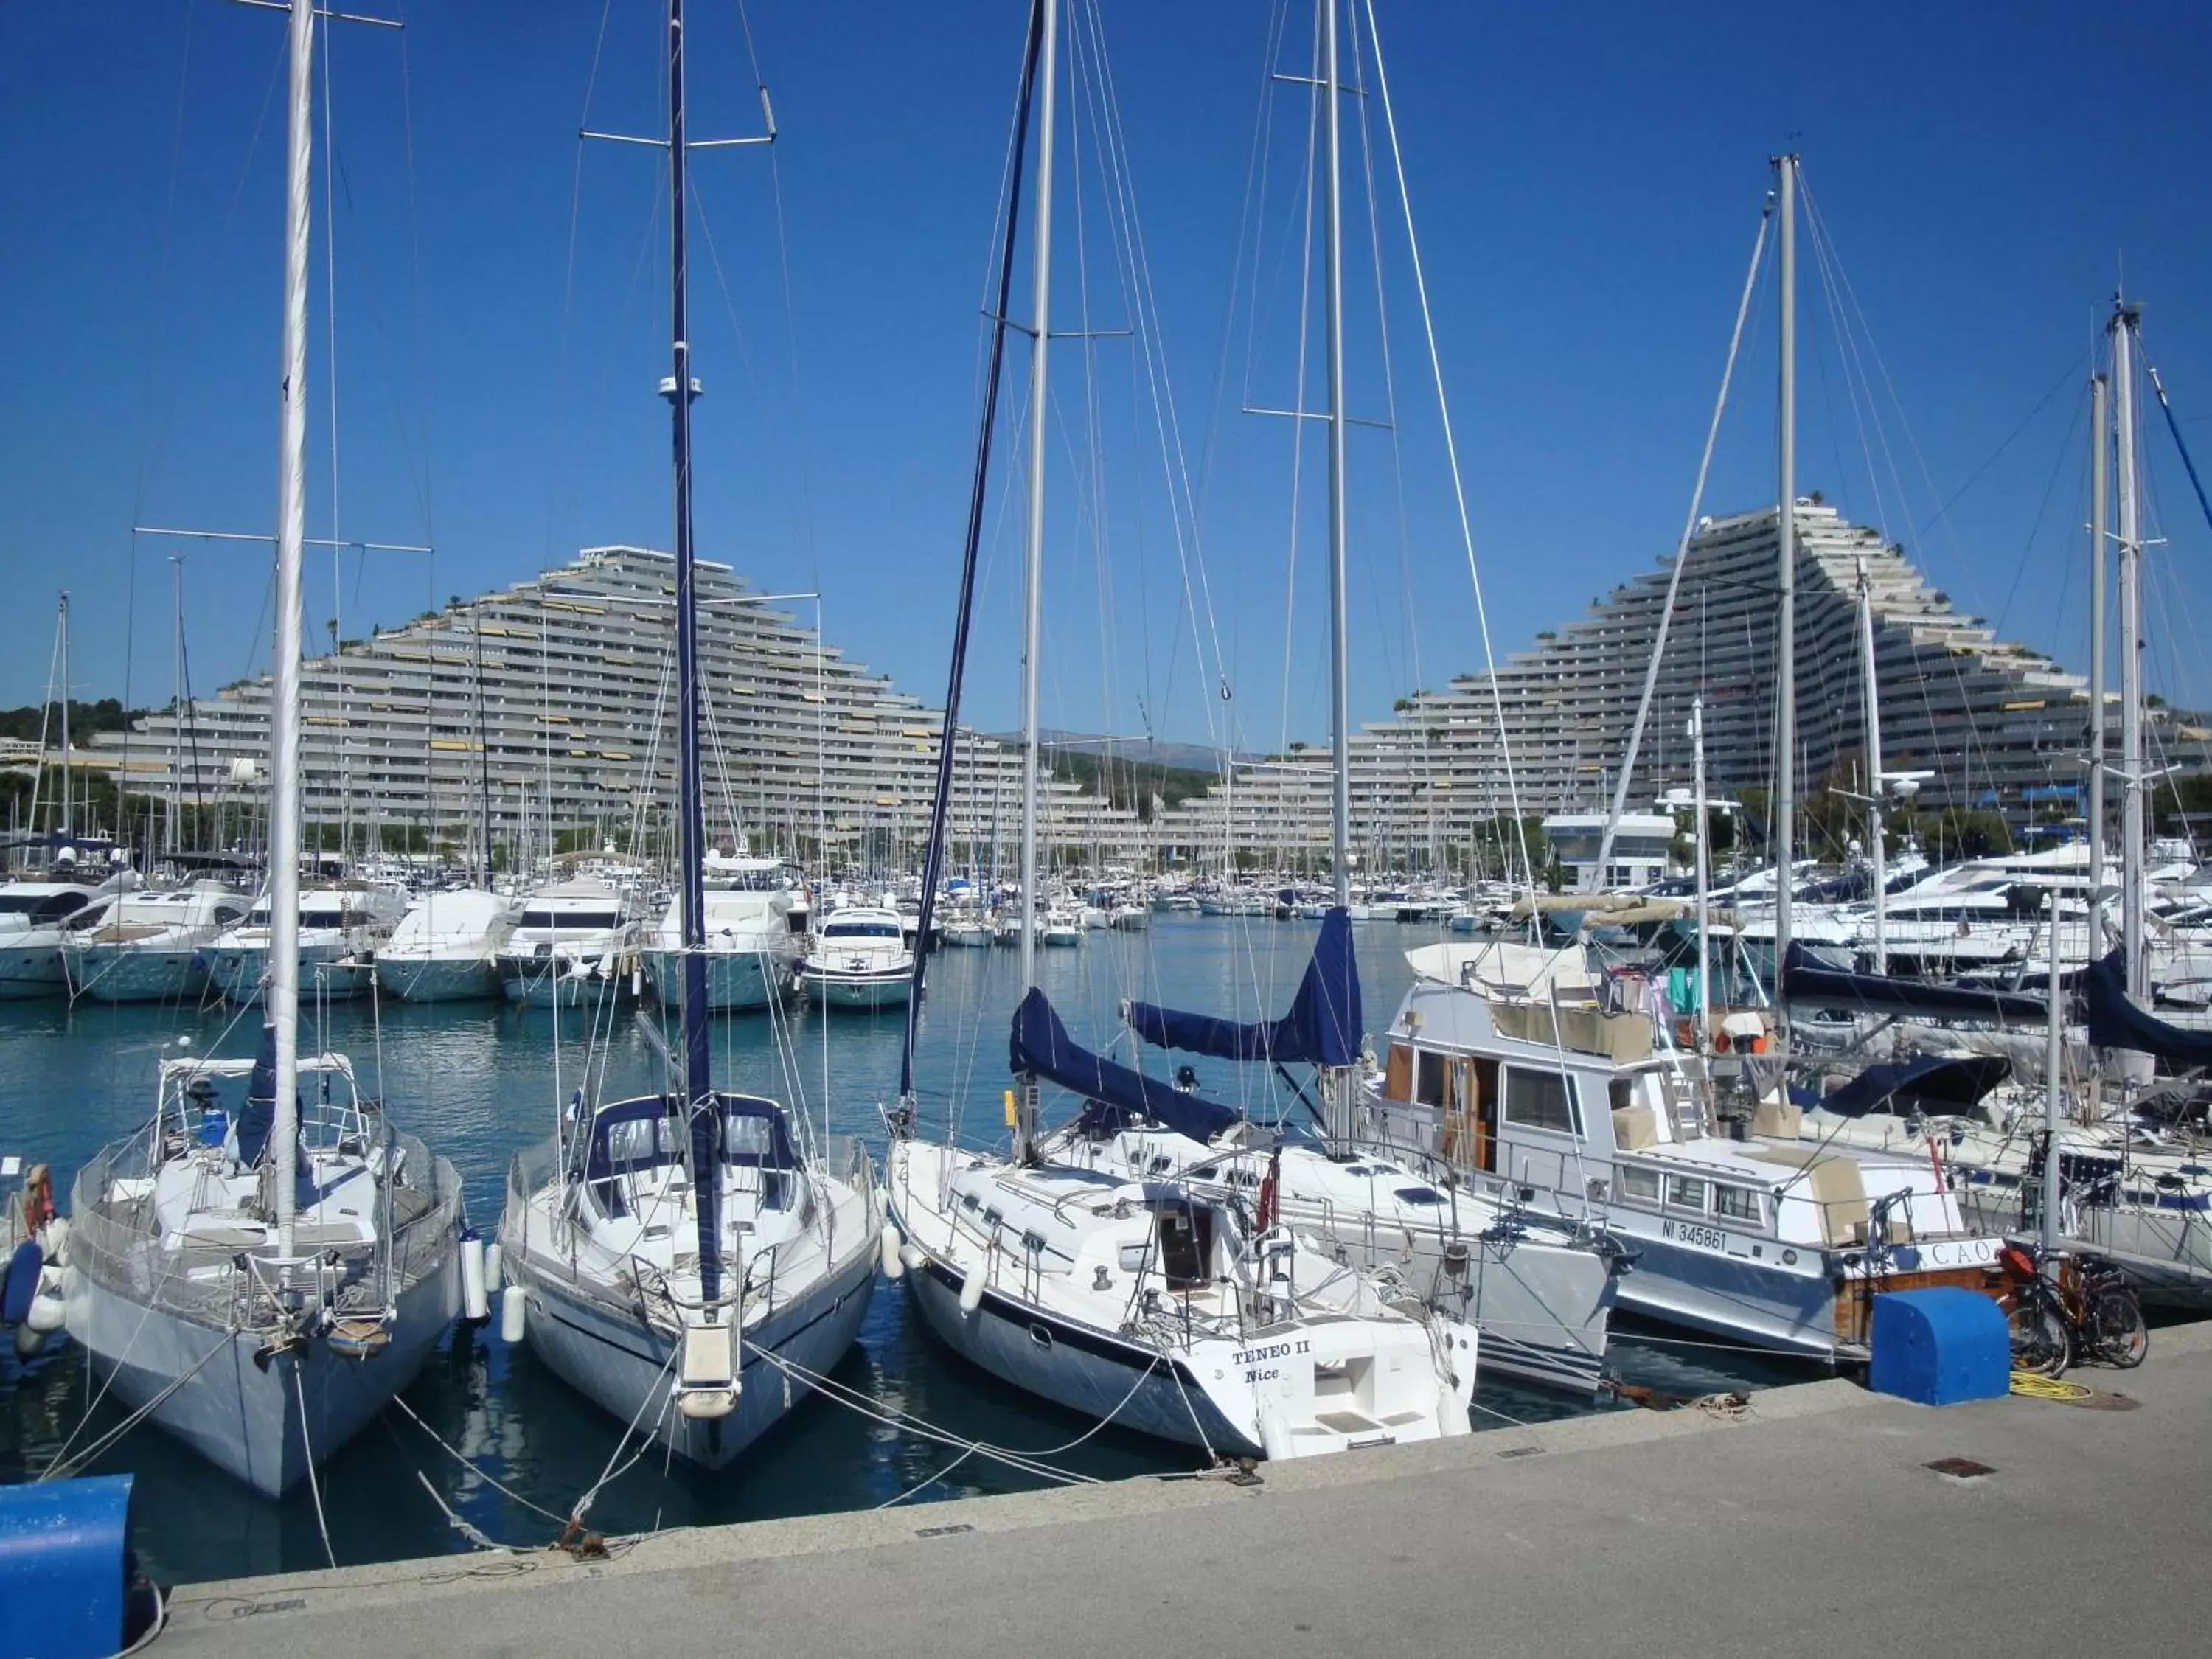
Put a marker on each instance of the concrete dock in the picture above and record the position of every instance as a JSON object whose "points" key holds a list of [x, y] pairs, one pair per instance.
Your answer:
{"points": [[1811, 1523]]}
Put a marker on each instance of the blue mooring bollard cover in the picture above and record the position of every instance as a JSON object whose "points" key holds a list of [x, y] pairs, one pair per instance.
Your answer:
{"points": [[1939, 1347], [62, 1547]]}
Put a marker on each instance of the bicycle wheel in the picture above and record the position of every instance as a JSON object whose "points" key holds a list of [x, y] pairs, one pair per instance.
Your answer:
{"points": [[2040, 1342], [2117, 1329]]}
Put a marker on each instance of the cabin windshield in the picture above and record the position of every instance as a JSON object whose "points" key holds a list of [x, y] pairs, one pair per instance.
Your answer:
{"points": [[574, 920], [40, 907], [861, 930]]}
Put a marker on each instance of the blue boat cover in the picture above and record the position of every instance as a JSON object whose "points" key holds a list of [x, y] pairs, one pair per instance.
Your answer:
{"points": [[1945, 1082], [2115, 1022], [259, 1117], [1804, 979], [1323, 1027], [1113, 1094]]}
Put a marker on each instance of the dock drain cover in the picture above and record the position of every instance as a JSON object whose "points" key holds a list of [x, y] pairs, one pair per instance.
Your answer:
{"points": [[1522, 1451], [1960, 1468], [954, 1530]]}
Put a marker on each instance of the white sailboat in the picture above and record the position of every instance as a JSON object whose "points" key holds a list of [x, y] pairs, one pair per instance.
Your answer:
{"points": [[1142, 1302], [684, 1258], [256, 1272]]}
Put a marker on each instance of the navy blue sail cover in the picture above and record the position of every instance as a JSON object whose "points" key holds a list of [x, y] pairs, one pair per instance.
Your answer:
{"points": [[1943, 1083], [1042, 1048], [2115, 1022], [1804, 979], [1322, 1028], [255, 1123]]}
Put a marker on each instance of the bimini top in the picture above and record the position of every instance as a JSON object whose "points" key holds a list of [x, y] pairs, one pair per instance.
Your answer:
{"points": [[1944, 1084], [1114, 1095], [650, 1131], [1322, 1028], [2115, 1022]]}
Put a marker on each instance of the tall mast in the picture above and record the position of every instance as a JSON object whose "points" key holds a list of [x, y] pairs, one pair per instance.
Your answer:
{"points": [[690, 826], [2125, 318], [484, 760], [1704, 867], [2098, 490], [176, 710], [1870, 698], [1339, 704], [1785, 623], [69, 763], [283, 989], [1033, 567]]}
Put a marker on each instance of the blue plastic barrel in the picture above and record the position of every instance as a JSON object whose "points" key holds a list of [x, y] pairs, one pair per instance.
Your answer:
{"points": [[63, 1567], [1939, 1347]]}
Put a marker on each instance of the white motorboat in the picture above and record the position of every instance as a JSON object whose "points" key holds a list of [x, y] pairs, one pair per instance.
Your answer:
{"points": [[966, 931], [575, 942], [1129, 917], [681, 1258], [750, 947], [859, 959], [342, 925], [445, 946], [1060, 927], [151, 947], [37, 916], [1504, 1063]]}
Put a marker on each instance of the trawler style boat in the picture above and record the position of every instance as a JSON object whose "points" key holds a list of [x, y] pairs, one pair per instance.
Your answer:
{"points": [[574, 943], [151, 946], [860, 960], [341, 926], [680, 1258], [444, 948], [1504, 1062]]}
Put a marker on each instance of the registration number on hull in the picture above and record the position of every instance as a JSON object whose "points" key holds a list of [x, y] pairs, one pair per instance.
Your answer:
{"points": [[1689, 1233]]}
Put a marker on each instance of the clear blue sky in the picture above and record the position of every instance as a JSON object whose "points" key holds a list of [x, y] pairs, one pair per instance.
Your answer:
{"points": [[1586, 179]]}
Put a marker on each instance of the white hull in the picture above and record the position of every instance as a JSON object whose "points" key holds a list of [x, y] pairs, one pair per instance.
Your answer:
{"points": [[736, 980], [856, 990], [437, 979], [32, 970], [237, 971], [617, 1362], [243, 1418], [113, 973], [536, 984]]}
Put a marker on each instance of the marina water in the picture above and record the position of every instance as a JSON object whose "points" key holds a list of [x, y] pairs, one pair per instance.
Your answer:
{"points": [[483, 1080]]}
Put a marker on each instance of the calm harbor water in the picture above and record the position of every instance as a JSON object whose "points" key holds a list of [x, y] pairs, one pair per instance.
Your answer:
{"points": [[481, 1081]]}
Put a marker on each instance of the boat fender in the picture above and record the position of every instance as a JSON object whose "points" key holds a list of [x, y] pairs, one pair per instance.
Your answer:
{"points": [[48, 1310], [19, 1286], [971, 1291], [911, 1256], [1452, 1418], [53, 1239], [1275, 1435], [474, 1307], [894, 1265], [513, 1314], [494, 1261], [28, 1342]]}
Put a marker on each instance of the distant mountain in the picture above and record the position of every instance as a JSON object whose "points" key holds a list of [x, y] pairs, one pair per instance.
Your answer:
{"points": [[1137, 752]]}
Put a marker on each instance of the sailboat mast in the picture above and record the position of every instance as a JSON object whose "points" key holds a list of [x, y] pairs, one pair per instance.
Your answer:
{"points": [[283, 989], [176, 709], [1340, 702], [69, 763], [1785, 582], [2098, 437], [484, 760], [1705, 867], [690, 836], [1870, 697], [2124, 318], [1033, 566]]}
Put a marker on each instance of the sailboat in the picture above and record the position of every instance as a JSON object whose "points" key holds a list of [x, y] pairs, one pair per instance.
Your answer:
{"points": [[684, 1258], [1143, 1302], [256, 1270]]}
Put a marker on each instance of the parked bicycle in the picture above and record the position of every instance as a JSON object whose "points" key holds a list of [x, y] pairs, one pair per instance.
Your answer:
{"points": [[2087, 1310]]}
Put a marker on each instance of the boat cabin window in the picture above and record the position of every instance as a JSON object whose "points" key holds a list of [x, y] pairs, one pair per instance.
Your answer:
{"points": [[862, 930], [1540, 1100], [1686, 1193], [575, 920], [1431, 1080], [640, 1140], [1398, 1073], [1638, 1183], [40, 907], [1737, 1204], [1186, 1235]]}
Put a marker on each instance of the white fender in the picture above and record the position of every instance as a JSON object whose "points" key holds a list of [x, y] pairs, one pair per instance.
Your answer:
{"points": [[495, 1259], [893, 1265], [971, 1291], [911, 1256], [48, 1311], [28, 1342], [513, 1314], [474, 1306], [53, 1240], [1275, 1434]]}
